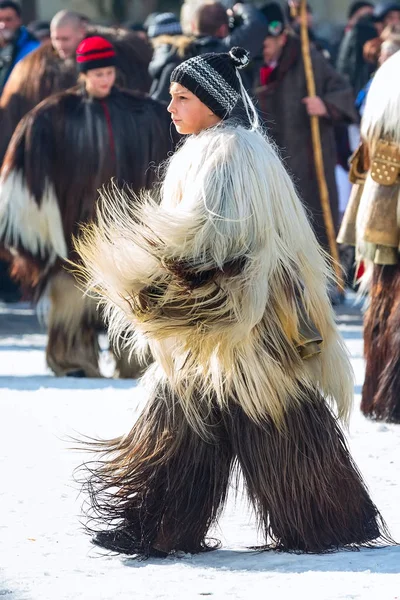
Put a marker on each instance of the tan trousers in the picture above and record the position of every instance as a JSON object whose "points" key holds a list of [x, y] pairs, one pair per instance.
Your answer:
{"points": [[74, 324]]}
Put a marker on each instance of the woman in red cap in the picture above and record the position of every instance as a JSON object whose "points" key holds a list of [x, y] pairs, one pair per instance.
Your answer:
{"points": [[62, 152]]}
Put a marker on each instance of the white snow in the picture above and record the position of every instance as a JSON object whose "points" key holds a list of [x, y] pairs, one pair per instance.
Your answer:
{"points": [[44, 555]]}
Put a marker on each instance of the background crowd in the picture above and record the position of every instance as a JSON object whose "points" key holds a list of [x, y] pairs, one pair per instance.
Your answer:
{"points": [[38, 60]]}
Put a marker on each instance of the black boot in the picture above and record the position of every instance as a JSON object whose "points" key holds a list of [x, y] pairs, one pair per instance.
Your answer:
{"points": [[124, 542]]}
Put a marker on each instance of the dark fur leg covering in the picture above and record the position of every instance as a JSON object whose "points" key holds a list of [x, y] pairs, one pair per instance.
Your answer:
{"points": [[161, 486], [381, 390], [305, 488]]}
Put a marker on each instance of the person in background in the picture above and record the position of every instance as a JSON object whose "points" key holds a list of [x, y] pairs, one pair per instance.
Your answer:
{"points": [[351, 61], [15, 43], [164, 24], [61, 153], [390, 45], [357, 11], [41, 30], [15, 40], [138, 28], [67, 30], [385, 14], [371, 225], [51, 68], [286, 109], [294, 19], [211, 32]]}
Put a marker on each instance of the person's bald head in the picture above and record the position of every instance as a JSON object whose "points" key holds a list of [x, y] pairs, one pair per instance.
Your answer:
{"points": [[211, 19], [67, 30]]}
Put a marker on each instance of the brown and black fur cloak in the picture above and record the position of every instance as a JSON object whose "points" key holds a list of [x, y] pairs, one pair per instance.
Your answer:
{"points": [[62, 152], [42, 73], [70, 145], [371, 224]]}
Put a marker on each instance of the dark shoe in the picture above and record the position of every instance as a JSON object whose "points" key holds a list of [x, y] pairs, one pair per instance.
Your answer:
{"points": [[124, 542]]}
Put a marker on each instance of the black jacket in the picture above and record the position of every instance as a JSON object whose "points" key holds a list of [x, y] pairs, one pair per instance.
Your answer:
{"points": [[350, 60]]}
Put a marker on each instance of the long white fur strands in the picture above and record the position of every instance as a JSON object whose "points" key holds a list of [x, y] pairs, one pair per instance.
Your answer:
{"points": [[381, 115], [215, 275], [22, 222]]}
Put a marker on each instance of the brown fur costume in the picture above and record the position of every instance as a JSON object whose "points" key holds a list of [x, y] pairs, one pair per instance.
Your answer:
{"points": [[61, 153], [42, 73], [371, 224], [226, 282]]}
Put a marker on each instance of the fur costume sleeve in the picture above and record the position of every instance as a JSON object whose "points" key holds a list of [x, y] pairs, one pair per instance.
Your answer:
{"points": [[221, 276], [30, 218]]}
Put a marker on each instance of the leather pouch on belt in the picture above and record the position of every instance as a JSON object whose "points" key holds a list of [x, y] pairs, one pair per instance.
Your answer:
{"points": [[385, 165], [359, 164]]}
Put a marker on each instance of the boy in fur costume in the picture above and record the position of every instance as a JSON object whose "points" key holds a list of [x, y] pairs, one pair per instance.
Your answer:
{"points": [[226, 282], [61, 153], [371, 224]]}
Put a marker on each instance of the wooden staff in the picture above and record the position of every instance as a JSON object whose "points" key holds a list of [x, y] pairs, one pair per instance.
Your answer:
{"points": [[317, 147]]}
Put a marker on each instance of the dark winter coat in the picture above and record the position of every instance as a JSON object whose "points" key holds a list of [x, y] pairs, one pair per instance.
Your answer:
{"points": [[75, 144], [170, 51], [43, 73], [288, 123], [350, 61]]}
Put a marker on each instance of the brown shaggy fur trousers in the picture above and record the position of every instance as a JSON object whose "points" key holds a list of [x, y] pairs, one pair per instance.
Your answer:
{"points": [[381, 390], [162, 486]]}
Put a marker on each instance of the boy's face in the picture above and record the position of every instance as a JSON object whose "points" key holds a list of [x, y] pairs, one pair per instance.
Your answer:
{"points": [[188, 113]]}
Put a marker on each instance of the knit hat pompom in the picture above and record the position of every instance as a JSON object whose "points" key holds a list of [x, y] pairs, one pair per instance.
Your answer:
{"points": [[240, 57], [95, 53], [214, 79]]}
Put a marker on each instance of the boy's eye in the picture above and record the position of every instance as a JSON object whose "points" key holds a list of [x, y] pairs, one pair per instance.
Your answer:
{"points": [[182, 98]]}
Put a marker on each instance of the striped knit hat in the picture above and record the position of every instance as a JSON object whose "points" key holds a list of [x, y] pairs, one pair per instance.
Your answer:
{"points": [[164, 24], [95, 53], [214, 79]]}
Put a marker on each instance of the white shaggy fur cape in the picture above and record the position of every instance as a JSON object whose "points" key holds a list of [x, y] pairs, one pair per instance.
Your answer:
{"points": [[219, 276]]}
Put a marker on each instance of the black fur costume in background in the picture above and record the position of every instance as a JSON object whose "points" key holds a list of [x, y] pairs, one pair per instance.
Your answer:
{"points": [[76, 144], [42, 73]]}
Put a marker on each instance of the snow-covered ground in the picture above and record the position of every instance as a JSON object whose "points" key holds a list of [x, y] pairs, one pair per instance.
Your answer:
{"points": [[44, 554]]}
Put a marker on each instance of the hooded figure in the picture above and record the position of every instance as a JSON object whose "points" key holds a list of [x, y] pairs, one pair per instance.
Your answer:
{"points": [[61, 153], [226, 282]]}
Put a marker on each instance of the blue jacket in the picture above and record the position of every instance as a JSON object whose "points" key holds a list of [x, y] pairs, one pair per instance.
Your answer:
{"points": [[24, 44]]}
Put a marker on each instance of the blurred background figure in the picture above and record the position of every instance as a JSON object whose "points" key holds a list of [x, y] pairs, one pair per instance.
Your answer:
{"points": [[213, 29], [389, 45], [357, 11], [41, 30], [51, 68], [286, 110], [15, 40], [164, 24], [67, 30], [293, 18], [138, 28], [62, 152], [386, 13], [351, 61]]}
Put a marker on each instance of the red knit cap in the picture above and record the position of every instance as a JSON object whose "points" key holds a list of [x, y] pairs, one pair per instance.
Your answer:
{"points": [[94, 53]]}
